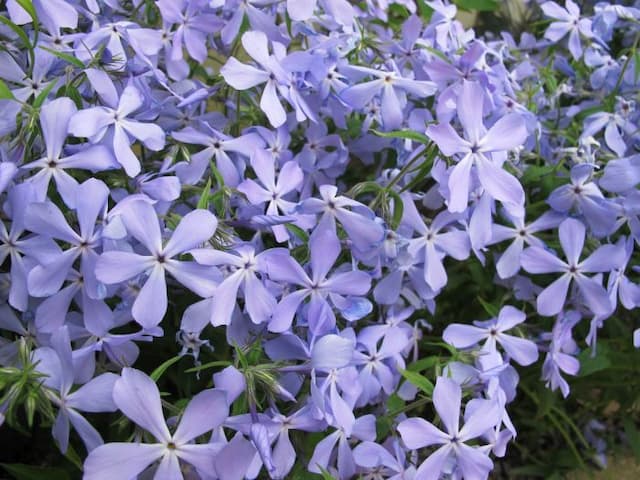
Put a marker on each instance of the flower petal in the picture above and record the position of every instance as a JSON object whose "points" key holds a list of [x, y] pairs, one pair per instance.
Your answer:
{"points": [[120, 460], [138, 397]]}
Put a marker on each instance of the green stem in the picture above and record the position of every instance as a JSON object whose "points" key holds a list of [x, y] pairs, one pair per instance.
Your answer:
{"points": [[613, 93], [567, 438]]}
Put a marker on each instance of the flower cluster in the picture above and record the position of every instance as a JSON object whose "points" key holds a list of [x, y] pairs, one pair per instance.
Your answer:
{"points": [[303, 194]]}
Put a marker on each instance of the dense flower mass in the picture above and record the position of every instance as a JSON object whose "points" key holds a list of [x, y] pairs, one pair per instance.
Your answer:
{"points": [[304, 238]]}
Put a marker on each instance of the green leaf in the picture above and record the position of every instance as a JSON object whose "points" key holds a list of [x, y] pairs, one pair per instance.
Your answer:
{"points": [[29, 8], [157, 373], [425, 11], [297, 231], [423, 383], [406, 134], [42, 96], [71, 92], [398, 209], [633, 436], [636, 66], [21, 471], [534, 173], [490, 309], [423, 364], [479, 5], [66, 57], [18, 31], [325, 474], [5, 92], [219, 363], [203, 201], [395, 403], [363, 188], [590, 364]]}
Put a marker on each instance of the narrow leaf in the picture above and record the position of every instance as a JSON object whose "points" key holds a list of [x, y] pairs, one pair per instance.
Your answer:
{"points": [[5, 92], [157, 373], [406, 134], [423, 383], [65, 56], [203, 202]]}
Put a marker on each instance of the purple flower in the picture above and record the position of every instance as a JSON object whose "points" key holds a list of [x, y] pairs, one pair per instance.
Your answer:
{"points": [[219, 147], [46, 219], [567, 21], [392, 88], [56, 362], [141, 221], [560, 355], [417, 433], [523, 351], [137, 396], [18, 247], [509, 263], [112, 121], [380, 462], [379, 365], [358, 222], [434, 243], [325, 248], [55, 117], [245, 264], [271, 190], [274, 74], [481, 148], [599, 213], [53, 14], [364, 428], [194, 24], [538, 260]]}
